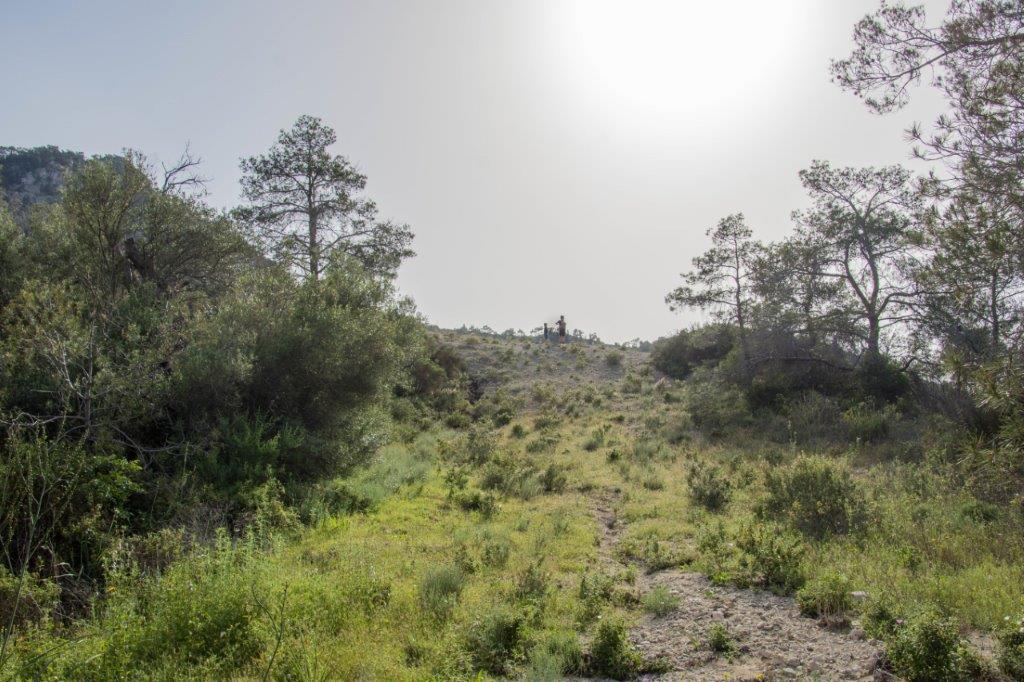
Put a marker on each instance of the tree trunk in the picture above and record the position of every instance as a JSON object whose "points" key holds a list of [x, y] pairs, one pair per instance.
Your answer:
{"points": [[314, 247]]}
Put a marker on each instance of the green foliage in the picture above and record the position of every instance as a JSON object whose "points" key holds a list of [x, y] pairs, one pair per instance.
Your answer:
{"points": [[59, 501], [826, 595], [25, 599], [595, 592], [816, 496], [597, 438], [716, 407], [720, 641], [496, 640], [440, 589], [868, 424], [314, 359], [677, 356], [929, 648], [659, 601], [556, 655], [772, 557], [613, 359], [611, 653], [1011, 647], [708, 486]]}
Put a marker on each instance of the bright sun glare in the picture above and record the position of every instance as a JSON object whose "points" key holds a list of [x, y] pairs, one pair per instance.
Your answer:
{"points": [[664, 59]]}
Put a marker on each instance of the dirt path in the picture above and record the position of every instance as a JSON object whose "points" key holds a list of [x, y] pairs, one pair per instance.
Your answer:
{"points": [[773, 641]]}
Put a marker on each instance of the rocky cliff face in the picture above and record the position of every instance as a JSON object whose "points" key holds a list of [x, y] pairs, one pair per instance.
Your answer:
{"points": [[36, 175]]}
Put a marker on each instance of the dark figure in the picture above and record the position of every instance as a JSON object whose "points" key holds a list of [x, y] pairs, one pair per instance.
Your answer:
{"points": [[561, 328], [545, 331]]}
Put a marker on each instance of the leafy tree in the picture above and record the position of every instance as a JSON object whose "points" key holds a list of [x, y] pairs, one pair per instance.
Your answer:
{"points": [[12, 267], [861, 233], [304, 205], [794, 297], [975, 279], [721, 277], [974, 58]]}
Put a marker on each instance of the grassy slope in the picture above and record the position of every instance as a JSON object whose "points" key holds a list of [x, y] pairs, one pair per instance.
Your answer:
{"points": [[349, 592]]}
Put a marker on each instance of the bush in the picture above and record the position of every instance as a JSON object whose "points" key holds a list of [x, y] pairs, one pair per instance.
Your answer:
{"points": [[25, 599], [709, 488], [929, 648], [816, 496], [677, 356], [613, 359], [555, 656], [611, 653], [716, 407], [1011, 648], [597, 438], [659, 601], [868, 424], [205, 611], [440, 588], [61, 496], [720, 641], [772, 558], [882, 379], [827, 595], [496, 640]]}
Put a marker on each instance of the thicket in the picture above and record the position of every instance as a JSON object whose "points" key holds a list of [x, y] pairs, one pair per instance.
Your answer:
{"points": [[159, 371]]}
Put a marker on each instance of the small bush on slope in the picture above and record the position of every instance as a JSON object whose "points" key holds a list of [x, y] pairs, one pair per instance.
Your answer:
{"points": [[816, 496], [929, 648]]}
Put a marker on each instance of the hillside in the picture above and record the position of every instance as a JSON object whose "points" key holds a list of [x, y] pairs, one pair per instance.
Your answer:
{"points": [[577, 526]]}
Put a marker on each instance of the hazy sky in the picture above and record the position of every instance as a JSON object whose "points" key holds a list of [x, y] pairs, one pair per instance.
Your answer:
{"points": [[552, 156]]}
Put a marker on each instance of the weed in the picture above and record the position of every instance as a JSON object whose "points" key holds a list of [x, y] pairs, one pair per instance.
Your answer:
{"points": [[720, 641], [496, 640], [440, 589], [772, 557], [659, 601], [827, 596], [556, 655]]}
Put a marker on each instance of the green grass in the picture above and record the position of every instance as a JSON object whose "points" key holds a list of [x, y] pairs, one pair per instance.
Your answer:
{"points": [[433, 589]]}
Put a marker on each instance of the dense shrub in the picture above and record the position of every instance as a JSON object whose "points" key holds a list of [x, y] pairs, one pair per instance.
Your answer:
{"points": [[25, 598], [827, 595], [59, 496], [558, 654], [715, 406], [314, 359], [869, 424], [772, 558], [929, 648], [881, 379], [613, 359], [611, 653], [708, 486], [677, 356], [816, 496], [1011, 647], [496, 639]]}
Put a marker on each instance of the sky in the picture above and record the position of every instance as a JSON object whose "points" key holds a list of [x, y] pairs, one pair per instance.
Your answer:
{"points": [[552, 156]]}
